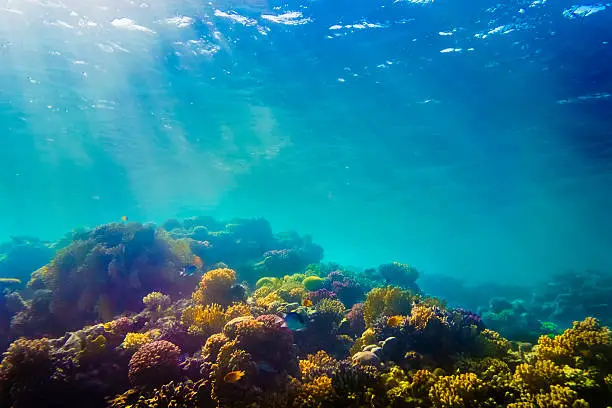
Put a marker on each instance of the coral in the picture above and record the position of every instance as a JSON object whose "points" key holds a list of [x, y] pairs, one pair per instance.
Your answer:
{"points": [[288, 289], [313, 283], [292, 256], [171, 395], [560, 397], [511, 319], [108, 270], [355, 319], [210, 351], [422, 315], [266, 281], [585, 343], [396, 273], [215, 287], [387, 301], [133, 341], [456, 391], [154, 363], [204, 320], [320, 294], [263, 349], [333, 308], [25, 373], [406, 391], [156, 301]]}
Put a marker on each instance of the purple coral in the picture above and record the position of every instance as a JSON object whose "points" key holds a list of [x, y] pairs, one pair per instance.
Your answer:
{"points": [[468, 319], [356, 320], [321, 294]]}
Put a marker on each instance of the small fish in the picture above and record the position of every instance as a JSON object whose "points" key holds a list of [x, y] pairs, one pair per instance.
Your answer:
{"points": [[189, 270], [266, 367], [395, 321], [233, 376], [294, 321], [197, 261], [307, 302], [124, 218]]}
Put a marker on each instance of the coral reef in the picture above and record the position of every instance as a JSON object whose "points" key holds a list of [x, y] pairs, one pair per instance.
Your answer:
{"points": [[132, 315]]}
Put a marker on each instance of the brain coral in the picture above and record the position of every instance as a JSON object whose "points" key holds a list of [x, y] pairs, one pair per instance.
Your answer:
{"points": [[154, 363]]}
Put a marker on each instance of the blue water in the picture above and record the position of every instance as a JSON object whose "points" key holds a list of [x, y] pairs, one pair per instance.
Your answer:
{"points": [[467, 138]]}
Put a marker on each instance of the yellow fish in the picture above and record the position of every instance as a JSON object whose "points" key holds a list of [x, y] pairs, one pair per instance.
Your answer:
{"points": [[124, 218], [233, 376], [307, 303], [395, 321]]}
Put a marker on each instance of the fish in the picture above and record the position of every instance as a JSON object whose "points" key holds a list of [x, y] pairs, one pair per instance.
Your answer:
{"points": [[266, 367], [197, 261], [188, 270], [233, 376], [124, 218], [395, 321], [307, 302], [294, 321]]}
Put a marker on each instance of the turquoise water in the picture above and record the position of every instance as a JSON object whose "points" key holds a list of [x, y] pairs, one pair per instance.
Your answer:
{"points": [[465, 138]]}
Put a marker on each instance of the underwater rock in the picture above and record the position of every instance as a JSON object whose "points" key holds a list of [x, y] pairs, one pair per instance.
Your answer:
{"points": [[390, 346], [365, 358]]}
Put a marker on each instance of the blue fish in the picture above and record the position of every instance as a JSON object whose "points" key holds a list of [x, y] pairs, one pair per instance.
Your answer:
{"points": [[294, 321], [188, 270]]}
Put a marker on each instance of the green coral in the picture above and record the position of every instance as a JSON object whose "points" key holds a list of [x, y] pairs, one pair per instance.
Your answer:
{"points": [[313, 283]]}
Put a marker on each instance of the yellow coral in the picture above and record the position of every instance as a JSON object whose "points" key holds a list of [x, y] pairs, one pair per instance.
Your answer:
{"points": [[403, 391], [237, 310], [215, 286], [585, 341], [494, 345], [332, 307], [94, 345], [313, 363], [204, 320], [133, 341], [422, 315], [156, 301], [387, 301], [455, 391], [560, 397], [288, 289], [315, 394]]}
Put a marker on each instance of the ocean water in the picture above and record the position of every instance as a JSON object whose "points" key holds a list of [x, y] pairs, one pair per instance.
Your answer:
{"points": [[467, 138], [445, 167]]}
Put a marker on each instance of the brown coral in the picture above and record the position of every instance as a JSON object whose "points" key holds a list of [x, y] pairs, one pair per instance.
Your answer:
{"points": [[154, 363], [25, 373]]}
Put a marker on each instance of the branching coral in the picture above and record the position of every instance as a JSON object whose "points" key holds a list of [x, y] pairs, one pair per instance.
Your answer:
{"points": [[387, 301], [457, 391], [206, 320], [171, 395], [586, 343], [133, 341]]}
